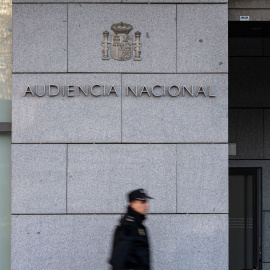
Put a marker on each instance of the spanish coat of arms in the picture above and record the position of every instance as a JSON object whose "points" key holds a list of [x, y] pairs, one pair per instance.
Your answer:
{"points": [[121, 44]]}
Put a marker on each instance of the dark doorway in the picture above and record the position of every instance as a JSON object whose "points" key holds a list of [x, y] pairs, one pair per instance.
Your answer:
{"points": [[245, 219], [249, 62]]}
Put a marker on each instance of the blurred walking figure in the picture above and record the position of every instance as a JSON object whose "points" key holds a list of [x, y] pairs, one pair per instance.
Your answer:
{"points": [[130, 245]]}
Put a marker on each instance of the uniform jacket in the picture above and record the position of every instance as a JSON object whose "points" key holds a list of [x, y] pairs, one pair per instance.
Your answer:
{"points": [[130, 245]]}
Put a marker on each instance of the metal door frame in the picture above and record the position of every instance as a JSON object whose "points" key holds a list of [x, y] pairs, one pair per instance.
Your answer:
{"points": [[256, 173]]}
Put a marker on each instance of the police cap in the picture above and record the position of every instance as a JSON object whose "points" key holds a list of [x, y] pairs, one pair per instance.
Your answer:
{"points": [[138, 194]]}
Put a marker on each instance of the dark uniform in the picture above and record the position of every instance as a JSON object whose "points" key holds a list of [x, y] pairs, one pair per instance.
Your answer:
{"points": [[130, 245]]}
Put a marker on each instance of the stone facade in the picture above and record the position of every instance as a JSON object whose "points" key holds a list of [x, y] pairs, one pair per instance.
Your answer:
{"points": [[74, 158]]}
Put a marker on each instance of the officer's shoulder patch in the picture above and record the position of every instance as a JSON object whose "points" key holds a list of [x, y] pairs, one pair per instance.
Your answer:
{"points": [[130, 219], [141, 231]]}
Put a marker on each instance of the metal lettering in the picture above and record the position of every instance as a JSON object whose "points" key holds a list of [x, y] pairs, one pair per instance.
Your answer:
{"points": [[209, 92], [98, 90], [178, 90], [85, 92], [186, 89], [43, 93], [144, 90], [53, 86], [153, 91], [28, 91], [200, 91], [112, 90], [135, 93], [92, 88], [70, 90]]}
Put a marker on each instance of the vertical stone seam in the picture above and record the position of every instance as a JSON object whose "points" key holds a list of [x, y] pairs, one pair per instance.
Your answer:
{"points": [[67, 179], [67, 37], [176, 178], [176, 52], [121, 108]]}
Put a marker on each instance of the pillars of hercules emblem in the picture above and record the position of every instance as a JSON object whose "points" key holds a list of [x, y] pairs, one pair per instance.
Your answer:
{"points": [[137, 44], [105, 44]]}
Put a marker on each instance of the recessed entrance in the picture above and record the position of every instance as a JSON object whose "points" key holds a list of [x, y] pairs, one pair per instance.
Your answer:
{"points": [[245, 219]]}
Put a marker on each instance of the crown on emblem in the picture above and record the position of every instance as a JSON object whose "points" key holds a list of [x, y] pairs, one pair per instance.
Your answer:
{"points": [[121, 28]]}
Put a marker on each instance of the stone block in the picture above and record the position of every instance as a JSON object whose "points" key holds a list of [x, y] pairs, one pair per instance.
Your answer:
{"points": [[266, 236], [61, 118], [266, 266], [189, 241], [175, 1], [169, 119], [61, 241], [39, 38], [120, 1], [246, 130], [158, 37], [67, 1], [99, 176], [202, 38], [249, 88], [39, 178], [202, 178], [84, 241], [266, 130]]}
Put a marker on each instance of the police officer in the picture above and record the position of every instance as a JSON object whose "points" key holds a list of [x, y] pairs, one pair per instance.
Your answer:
{"points": [[130, 245]]}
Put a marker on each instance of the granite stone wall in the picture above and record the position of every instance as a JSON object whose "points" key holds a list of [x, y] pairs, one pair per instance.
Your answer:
{"points": [[74, 156]]}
